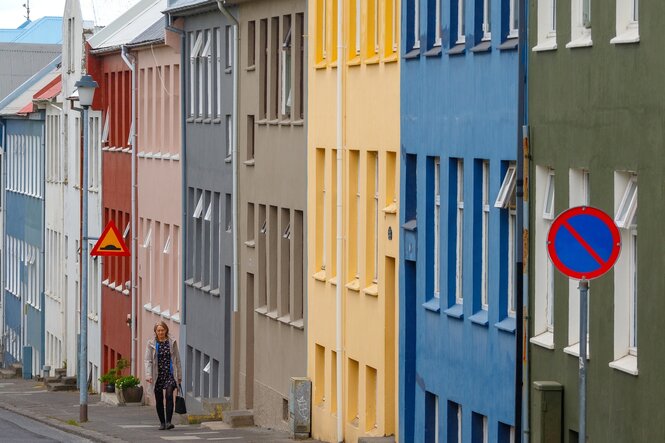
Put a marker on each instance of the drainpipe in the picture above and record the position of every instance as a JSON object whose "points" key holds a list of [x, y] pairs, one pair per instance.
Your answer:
{"points": [[42, 254], [183, 179], [3, 152], [522, 194], [338, 288], [131, 64], [234, 143]]}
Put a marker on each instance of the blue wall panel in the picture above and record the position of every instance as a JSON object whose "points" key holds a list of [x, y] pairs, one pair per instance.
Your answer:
{"points": [[456, 106]]}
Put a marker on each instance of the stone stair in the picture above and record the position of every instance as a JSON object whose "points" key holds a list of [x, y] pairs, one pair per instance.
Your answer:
{"points": [[61, 382], [15, 370]]}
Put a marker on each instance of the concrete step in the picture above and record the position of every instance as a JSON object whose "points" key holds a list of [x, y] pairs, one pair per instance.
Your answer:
{"points": [[60, 372], [7, 373], [239, 419], [18, 369], [69, 380], [59, 387], [49, 380]]}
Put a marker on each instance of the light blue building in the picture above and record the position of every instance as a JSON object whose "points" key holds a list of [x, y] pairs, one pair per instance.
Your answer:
{"points": [[22, 130], [45, 30], [459, 96]]}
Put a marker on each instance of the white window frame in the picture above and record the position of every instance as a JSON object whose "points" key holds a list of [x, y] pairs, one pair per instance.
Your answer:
{"points": [[376, 26], [459, 423], [484, 286], [486, 430], [487, 20], [324, 30], [208, 214], [358, 26], [218, 74], [548, 197], [199, 208], [416, 24], [229, 48], [229, 136], [628, 206], [513, 19], [461, 30], [196, 43], [580, 24], [507, 188], [437, 225], [375, 278], [206, 54], [546, 23], [459, 247], [200, 79], [437, 23], [286, 89]]}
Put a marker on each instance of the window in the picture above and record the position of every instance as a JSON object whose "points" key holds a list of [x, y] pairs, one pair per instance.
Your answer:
{"points": [[437, 226], [229, 48], [625, 274], [487, 20], [416, 24], [355, 28], [286, 98], [544, 269], [251, 43], [206, 55], [390, 27], [580, 24], [229, 136], [200, 68], [513, 19], [300, 68], [627, 22], [484, 286], [479, 428], [250, 137], [372, 28], [431, 418], [506, 201], [374, 158], [460, 22], [459, 242], [546, 25], [263, 69], [218, 73], [199, 208], [275, 44], [454, 420]]}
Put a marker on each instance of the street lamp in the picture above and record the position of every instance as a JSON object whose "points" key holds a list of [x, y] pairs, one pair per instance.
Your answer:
{"points": [[86, 92]]}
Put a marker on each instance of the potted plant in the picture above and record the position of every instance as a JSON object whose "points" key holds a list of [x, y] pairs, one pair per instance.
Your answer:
{"points": [[129, 389], [110, 379]]}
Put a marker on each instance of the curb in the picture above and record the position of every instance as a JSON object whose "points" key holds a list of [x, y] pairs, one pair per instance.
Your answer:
{"points": [[76, 430]]}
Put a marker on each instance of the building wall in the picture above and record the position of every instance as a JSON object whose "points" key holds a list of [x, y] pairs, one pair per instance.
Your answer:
{"points": [[115, 104], [370, 208], [207, 205], [457, 342], [589, 112], [159, 181], [273, 188], [24, 240]]}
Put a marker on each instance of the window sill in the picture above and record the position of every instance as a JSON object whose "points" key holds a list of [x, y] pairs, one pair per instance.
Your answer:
{"points": [[249, 162], [455, 311], [228, 70], [353, 285], [391, 58], [250, 244], [582, 42], [190, 119], [508, 324], [250, 68], [286, 319], [217, 121], [545, 46], [433, 305], [354, 61], [298, 324], [373, 60], [390, 209], [285, 122], [263, 310], [574, 350], [333, 281], [189, 282], [630, 36], [509, 45], [228, 159], [198, 120], [297, 122], [207, 120], [484, 46], [544, 340], [273, 122], [320, 276], [206, 289], [480, 318], [215, 292], [273, 314], [412, 54], [333, 64], [323, 64], [434, 52], [198, 285], [627, 364], [372, 290], [261, 122], [458, 49]]}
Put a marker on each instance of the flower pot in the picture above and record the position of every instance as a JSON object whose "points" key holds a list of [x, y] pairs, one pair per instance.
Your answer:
{"points": [[133, 394], [110, 388]]}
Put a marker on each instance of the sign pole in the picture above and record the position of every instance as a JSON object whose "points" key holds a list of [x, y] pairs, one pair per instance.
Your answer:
{"points": [[584, 293]]}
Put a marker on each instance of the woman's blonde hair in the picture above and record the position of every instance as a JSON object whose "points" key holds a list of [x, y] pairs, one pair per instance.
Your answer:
{"points": [[163, 325]]}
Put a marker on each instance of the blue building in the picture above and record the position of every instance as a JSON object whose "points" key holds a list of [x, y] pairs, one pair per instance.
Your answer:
{"points": [[459, 96], [45, 30], [22, 131]]}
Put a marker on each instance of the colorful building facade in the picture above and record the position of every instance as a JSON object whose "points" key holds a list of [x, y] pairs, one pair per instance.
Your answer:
{"points": [[596, 135], [459, 235], [370, 205]]}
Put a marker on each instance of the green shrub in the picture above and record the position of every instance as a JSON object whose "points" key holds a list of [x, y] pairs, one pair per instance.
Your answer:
{"points": [[127, 382]]}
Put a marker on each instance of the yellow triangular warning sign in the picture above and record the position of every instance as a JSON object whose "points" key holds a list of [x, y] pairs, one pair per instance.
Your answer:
{"points": [[110, 243]]}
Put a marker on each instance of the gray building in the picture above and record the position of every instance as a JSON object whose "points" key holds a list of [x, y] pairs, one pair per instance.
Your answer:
{"points": [[269, 336], [207, 202], [26, 59]]}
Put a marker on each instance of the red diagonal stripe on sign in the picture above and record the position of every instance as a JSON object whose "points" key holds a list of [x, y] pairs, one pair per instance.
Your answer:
{"points": [[584, 244]]}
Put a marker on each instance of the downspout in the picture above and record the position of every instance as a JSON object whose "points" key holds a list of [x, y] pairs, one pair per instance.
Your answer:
{"points": [[524, 154], [42, 300], [3, 152], [338, 287], [234, 155], [131, 64], [521, 332], [183, 181]]}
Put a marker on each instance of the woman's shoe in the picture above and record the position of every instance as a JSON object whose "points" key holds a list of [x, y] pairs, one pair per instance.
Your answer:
{"points": [[169, 425], [162, 426]]}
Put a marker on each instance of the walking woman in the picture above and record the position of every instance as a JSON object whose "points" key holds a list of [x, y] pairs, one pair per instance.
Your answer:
{"points": [[162, 360]]}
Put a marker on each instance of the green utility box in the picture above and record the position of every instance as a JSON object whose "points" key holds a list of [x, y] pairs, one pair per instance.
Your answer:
{"points": [[547, 412]]}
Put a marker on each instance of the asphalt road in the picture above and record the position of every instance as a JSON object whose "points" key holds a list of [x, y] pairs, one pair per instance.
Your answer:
{"points": [[17, 428]]}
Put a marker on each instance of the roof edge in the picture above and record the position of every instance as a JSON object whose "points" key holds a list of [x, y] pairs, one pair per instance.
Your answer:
{"points": [[31, 81]]}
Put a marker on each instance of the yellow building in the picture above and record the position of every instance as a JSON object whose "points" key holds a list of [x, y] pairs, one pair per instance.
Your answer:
{"points": [[370, 195]]}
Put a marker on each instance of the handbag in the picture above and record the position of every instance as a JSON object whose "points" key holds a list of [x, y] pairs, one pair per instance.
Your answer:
{"points": [[180, 406]]}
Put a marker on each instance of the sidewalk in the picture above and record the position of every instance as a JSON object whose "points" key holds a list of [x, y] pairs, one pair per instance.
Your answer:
{"points": [[116, 424]]}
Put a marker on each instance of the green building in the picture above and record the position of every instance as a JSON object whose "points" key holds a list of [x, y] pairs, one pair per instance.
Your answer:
{"points": [[596, 106]]}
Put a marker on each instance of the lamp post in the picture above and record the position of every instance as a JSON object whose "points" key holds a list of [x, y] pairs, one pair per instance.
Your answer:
{"points": [[86, 89]]}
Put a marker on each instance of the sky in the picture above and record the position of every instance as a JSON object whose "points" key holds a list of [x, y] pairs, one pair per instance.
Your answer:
{"points": [[102, 12]]}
